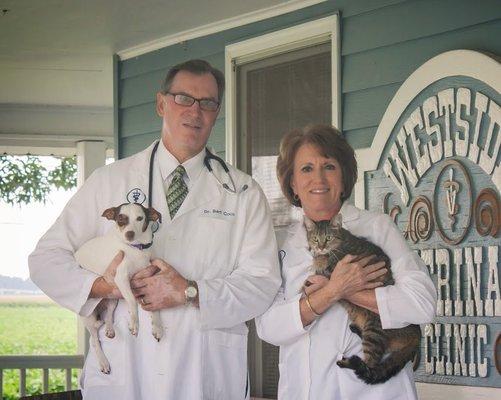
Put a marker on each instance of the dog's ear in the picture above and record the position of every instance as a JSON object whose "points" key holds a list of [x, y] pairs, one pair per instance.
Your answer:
{"points": [[111, 213], [154, 215]]}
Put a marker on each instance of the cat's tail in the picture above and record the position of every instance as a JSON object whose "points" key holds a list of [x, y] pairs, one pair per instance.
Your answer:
{"points": [[383, 371]]}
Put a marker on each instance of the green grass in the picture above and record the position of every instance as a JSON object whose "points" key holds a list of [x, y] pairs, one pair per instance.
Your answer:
{"points": [[35, 325]]}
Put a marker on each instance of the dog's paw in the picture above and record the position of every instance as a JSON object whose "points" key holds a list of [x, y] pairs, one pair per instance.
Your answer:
{"points": [[104, 365], [133, 328], [110, 332], [157, 332]]}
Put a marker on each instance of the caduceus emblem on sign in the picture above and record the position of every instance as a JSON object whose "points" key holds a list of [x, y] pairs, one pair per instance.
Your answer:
{"points": [[451, 190]]}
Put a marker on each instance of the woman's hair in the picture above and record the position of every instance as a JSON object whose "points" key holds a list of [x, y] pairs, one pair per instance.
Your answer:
{"points": [[330, 143]]}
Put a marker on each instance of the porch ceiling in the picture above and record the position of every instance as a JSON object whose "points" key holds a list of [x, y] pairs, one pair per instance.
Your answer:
{"points": [[56, 54]]}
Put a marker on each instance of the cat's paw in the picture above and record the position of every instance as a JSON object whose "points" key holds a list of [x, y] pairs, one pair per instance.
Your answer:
{"points": [[355, 329], [353, 362], [343, 363]]}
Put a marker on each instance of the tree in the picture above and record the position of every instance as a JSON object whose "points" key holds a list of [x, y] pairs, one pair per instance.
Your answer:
{"points": [[24, 179]]}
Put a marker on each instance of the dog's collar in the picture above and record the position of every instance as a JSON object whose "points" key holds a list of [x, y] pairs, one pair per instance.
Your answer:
{"points": [[141, 246]]}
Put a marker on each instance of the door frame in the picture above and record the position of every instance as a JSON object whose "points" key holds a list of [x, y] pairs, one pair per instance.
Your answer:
{"points": [[322, 30], [294, 38]]}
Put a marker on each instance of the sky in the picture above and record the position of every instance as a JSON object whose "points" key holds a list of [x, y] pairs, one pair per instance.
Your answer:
{"points": [[22, 226]]}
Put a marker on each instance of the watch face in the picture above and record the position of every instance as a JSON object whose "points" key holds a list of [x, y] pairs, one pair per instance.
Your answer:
{"points": [[191, 292]]}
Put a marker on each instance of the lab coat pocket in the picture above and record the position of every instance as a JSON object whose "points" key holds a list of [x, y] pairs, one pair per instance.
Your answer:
{"points": [[225, 365], [354, 388], [212, 239], [114, 350]]}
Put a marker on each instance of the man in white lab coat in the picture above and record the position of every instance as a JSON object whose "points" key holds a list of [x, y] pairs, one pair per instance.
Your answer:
{"points": [[217, 252]]}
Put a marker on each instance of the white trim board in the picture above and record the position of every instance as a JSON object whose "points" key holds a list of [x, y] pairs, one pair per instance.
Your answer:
{"points": [[215, 27], [433, 391], [53, 129], [452, 63], [300, 36]]}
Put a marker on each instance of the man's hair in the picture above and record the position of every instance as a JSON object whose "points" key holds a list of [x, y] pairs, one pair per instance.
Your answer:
{"points": [[198, 67], [330, 143]]}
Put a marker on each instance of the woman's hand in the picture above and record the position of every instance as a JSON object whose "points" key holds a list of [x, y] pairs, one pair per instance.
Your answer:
{"points": [[314, 283], [351, 276], [348, 278]]}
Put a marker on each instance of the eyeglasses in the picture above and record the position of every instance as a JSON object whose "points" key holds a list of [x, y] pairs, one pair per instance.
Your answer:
{"points": [[187, 101]]}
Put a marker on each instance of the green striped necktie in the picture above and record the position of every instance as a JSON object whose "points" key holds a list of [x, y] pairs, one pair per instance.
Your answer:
{"points": [[177, 191]]}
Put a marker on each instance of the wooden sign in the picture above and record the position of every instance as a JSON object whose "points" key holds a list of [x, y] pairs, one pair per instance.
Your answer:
{"points": [[434, 168]]}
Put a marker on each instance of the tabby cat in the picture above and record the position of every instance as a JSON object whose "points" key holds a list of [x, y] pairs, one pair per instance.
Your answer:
{"points": [[386, 351]]}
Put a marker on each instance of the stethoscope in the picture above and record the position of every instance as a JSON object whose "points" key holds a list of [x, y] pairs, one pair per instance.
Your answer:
{"points": [[208, 157]]}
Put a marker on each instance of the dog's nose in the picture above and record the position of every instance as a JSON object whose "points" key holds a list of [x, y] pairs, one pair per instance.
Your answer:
{"points": [[129, 235]]}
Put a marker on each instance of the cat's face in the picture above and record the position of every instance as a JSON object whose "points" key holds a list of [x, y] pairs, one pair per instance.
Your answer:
{"points": [[323, 236]]}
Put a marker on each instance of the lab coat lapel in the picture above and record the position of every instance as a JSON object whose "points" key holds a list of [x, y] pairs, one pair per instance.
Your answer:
{"points": [[204, 190], [159, 199], [297, 233], [349, 213], [140, 174]]}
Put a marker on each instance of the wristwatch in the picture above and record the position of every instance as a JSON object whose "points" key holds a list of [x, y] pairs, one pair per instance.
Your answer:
{"points": [[191, 292]]}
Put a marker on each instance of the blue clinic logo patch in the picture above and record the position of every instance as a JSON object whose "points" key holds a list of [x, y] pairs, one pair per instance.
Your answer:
{"points": [[136, 195]]}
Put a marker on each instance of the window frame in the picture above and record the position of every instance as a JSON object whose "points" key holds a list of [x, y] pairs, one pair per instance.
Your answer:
{"points": [[294, 38]]}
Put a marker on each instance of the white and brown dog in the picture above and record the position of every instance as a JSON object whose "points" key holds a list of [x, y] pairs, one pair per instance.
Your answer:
{"points": [[133, 235]]}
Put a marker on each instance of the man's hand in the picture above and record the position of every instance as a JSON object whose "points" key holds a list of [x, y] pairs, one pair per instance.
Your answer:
{"points": [[104, 286], [159, 286]]}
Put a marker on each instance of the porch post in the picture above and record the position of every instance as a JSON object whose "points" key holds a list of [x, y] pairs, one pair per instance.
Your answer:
{"points": [[91, 154]]}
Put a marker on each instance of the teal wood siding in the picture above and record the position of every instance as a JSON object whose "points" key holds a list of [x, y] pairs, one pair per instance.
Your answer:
{"points": [[382, 42], [382, 47], [140, 77]]}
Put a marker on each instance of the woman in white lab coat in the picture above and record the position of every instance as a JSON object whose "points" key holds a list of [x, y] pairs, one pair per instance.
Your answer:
{"points": [[317, 171], [222, 240]]}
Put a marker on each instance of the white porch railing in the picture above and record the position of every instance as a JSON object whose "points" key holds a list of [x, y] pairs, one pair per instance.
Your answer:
{"points": [[22, 363]]}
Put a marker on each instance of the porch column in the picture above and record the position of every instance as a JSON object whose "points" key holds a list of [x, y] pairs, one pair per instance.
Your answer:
{"points": [[91, 154]]}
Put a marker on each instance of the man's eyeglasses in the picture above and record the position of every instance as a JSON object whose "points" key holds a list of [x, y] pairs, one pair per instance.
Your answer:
{"points": [[187, 101]]}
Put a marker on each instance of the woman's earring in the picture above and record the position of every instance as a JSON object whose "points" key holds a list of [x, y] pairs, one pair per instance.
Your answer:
{"points": [[296, 197]]}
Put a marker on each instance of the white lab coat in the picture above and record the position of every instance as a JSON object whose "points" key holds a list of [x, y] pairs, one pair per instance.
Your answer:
{"points": [[308, 356], [222, 240]]}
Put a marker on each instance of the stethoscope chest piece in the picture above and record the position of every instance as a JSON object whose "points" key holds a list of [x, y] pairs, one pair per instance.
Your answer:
{"points": [[155, 226]]}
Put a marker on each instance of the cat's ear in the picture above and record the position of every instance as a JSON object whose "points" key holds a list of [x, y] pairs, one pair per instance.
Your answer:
{"points": [[310, 225], [337, 221]]}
